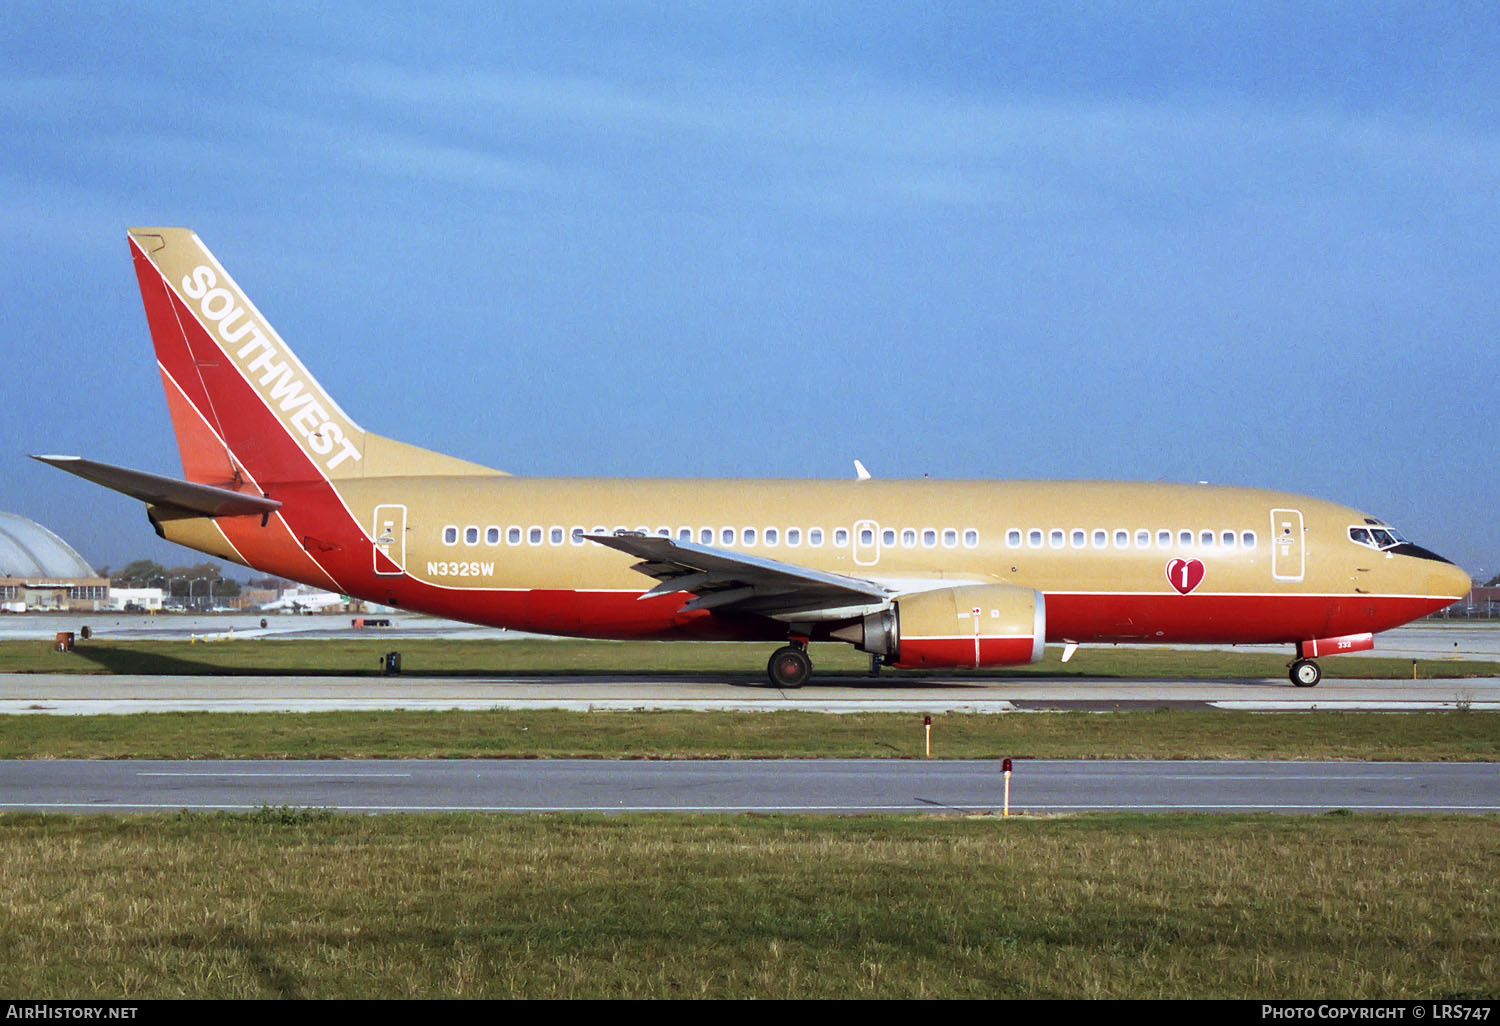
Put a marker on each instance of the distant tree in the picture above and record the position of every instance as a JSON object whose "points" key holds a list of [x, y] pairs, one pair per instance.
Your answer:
{"points": [[141, 573]]}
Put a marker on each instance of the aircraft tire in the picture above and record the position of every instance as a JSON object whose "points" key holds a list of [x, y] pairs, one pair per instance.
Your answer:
{"points": [[789, 667], [1306, 673]]}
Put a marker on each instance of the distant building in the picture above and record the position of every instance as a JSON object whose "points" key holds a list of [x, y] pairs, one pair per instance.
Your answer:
{"points": [[1484, 602], [38, 570], [149, 599]]}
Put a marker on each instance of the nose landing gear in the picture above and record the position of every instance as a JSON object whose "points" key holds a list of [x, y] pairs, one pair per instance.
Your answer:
{"points": [[1305, 673]]}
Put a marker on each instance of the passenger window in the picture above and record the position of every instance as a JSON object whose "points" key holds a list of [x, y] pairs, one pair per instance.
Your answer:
{"points": [[685, 534], [929, 538], [971, 538], [492, 536], [772, 536], [513, 535], [1101, 539], [840, 537], [908, 538], [726, 536], [1185, 538], [1206, 539], [1034, 538], [1228, 539], [555, 536], [471, 536], [1080, 538], [450, 536], [866, 536], [705, 536], [748, 535], [1247, 539], [1122, 539], [1143, 539], [815, 537], [664, 532], [950, 538], [1164, 539], [888, 537], [534, 536], [577, 536], [794, 536], [1013, 538]]}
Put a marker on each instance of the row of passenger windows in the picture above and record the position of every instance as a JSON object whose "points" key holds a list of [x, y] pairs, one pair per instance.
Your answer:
{"points": [[1120, 538], [791, 537]]}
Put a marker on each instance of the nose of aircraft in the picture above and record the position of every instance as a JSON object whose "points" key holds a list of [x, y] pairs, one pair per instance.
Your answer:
{"points": [[1448, 581]]}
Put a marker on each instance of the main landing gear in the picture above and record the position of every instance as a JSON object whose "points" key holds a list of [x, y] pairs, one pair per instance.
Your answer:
{"points": [[790, 666], [1305, 673]]}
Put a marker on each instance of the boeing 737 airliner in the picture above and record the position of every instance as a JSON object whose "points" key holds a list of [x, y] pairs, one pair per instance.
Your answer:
{"points": [[924, 574]]}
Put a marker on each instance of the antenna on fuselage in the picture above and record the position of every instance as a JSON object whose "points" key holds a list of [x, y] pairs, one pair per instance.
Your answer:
{"points": [[860, 472]]}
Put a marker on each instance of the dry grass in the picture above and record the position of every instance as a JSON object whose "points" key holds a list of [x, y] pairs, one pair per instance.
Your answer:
{"points": [[282, 904]]}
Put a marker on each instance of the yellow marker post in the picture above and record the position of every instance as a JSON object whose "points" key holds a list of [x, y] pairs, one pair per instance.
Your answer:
{"points": [[1006, 766], [927, 726]]}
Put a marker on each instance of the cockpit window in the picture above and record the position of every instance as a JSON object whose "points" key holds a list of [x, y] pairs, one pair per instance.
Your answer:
{"points": [[1373, 537]]}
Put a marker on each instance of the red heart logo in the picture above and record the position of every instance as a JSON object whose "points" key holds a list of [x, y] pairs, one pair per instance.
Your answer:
{"points": [[1185, 574]]}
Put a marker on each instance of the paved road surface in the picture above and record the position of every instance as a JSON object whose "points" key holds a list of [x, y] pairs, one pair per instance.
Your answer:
{"points": [[817, 786]]}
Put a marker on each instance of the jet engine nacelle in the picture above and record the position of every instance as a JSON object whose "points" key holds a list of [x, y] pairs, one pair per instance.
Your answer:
{"points": [[951, 628]]}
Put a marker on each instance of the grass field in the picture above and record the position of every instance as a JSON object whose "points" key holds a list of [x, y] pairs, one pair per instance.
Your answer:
{"points": [[308, 905], [1162, 734], [435, 657]]}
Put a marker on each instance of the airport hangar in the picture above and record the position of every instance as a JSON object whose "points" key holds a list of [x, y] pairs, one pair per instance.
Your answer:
{"points": [[38, 570]]}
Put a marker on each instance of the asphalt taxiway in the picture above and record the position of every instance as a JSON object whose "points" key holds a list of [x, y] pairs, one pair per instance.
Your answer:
{"points": [[739, 786]]}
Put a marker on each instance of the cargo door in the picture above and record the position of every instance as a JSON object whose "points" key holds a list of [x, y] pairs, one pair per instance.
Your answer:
{"points": [[1288, 556]]}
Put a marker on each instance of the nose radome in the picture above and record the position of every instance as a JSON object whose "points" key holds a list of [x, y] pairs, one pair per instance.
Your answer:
{"points": [[1448, 581]]}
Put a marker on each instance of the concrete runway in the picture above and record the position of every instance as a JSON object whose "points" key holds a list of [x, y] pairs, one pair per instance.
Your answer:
{"points": [[1038, 787], [1432, 643], [71, 694]]}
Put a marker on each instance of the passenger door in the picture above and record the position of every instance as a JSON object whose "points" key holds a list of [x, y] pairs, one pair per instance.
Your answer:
{"points": [[1288, 556]]}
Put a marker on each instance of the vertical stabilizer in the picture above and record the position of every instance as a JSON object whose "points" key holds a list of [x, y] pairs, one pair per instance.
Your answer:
{"points": [[241, 401]]}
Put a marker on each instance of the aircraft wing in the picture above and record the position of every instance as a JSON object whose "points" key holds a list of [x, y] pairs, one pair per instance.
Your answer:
{"points": [[155, 490], [733, 581]]}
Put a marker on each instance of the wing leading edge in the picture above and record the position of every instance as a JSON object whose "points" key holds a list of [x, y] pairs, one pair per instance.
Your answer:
{"points": [[719, 579]]}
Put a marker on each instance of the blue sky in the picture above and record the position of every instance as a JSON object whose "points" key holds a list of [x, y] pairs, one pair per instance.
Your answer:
{"points": [[1134, 241]]}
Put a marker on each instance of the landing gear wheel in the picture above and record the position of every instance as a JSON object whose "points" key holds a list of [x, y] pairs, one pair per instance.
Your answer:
{"points": [[1306, 674], [789, 667]]}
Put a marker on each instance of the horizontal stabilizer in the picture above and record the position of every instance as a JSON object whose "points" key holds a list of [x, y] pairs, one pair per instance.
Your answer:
{"points": [[205, 500]]}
